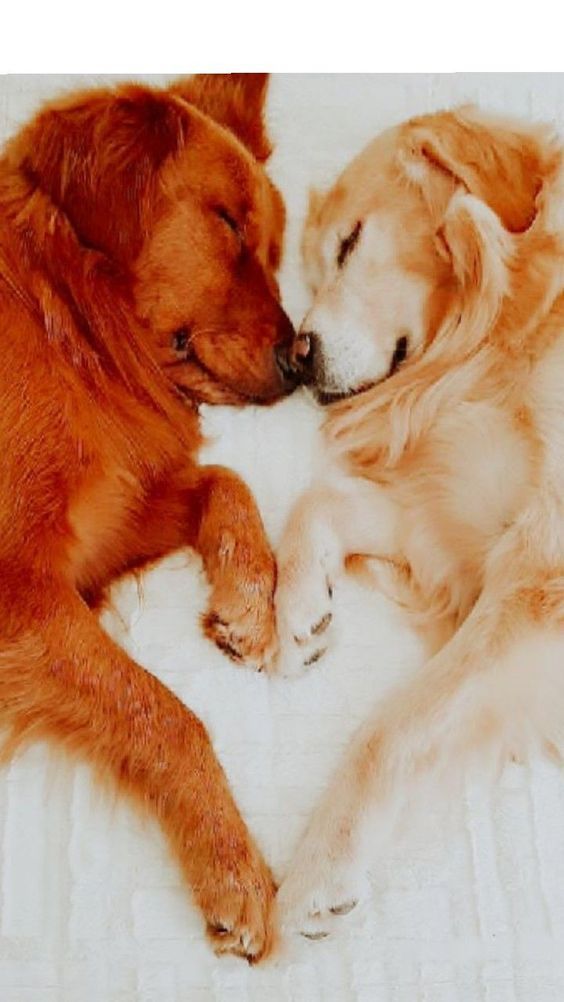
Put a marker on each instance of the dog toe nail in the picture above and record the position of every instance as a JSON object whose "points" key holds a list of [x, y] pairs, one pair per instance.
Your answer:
{"points": [[215, 620], [218, 929], [314, 936], [316, 656], [322, 624], [343, 909], [228, 649]]}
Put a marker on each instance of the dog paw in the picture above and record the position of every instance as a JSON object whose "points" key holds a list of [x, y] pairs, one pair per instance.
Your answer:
{"points": [[318, 892], [241, 621], [304, 616], [244, 640], [238, 912]]}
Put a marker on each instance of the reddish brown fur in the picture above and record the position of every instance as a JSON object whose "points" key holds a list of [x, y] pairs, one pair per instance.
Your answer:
{"points": [[110, 241]]}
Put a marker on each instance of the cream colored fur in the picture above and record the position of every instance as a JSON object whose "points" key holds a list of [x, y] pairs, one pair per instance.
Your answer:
{"points": [[450, 472]]}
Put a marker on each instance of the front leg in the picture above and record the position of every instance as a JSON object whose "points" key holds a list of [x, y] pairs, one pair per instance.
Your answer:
{"points": [[210, 509], [496, 688], [422, 728], [230, 537], [329, 523], [63, 679]]}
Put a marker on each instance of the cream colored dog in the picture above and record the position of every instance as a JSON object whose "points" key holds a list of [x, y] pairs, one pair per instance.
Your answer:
{"points": [[437, 267]]}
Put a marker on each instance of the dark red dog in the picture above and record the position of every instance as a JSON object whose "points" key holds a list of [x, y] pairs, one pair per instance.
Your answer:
{"points": [[139, 236]]}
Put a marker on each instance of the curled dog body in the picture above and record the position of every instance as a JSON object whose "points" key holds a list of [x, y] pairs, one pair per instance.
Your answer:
{"points": [[436, 334], [139, 237]]}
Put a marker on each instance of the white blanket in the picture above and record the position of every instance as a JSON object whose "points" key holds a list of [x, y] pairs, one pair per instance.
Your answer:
{"points": [[468, 903]]}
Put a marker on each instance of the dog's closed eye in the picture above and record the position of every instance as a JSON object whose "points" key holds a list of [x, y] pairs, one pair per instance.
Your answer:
{"points": [[180, 341], [228, 219], [400, 353], [348, 244]]}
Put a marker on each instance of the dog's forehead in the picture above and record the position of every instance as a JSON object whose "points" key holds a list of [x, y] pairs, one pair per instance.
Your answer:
{"points": [[212, 161], [224, 174], [368, 184], [371, 191]]}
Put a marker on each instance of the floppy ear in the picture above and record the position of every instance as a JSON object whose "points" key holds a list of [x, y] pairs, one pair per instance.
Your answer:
{"points": [[98, 159], [499, 162], [478, 246], [234, 100], [474, 222]]}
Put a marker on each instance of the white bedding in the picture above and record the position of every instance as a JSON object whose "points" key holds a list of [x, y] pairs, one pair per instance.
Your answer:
{"points": [[468, 904]]}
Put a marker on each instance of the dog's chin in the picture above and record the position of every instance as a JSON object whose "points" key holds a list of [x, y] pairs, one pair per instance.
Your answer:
{"points": [[212, 395], [327, 397], [203, 388]]}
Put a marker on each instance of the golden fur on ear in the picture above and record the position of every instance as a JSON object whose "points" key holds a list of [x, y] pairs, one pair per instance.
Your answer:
{"points": [[478, 245], [501, 162], [98, 151], [234, 100]]}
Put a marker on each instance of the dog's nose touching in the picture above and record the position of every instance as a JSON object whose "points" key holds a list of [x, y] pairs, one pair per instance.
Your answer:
{"points": [[302, 351], [282, 355], [295, 358]]}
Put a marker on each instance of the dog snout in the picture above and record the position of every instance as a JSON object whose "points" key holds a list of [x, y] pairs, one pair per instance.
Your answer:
{"points": [[295, 358], [282, 353], [303, 350], [302, 355]]}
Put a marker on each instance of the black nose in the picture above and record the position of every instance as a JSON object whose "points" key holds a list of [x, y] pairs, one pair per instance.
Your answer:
{"points": [[296, 359], [303, 352], [284, 363]]}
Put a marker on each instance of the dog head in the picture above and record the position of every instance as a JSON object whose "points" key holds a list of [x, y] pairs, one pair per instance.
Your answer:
{"points": [[417, 225], [169, 187]]}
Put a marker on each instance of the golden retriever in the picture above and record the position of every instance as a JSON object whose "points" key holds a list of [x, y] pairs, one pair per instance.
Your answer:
{"points": [[139, 241], [437, 334]]}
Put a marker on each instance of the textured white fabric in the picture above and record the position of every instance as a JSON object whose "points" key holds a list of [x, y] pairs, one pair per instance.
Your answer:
{"points": [[468, 903]]}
